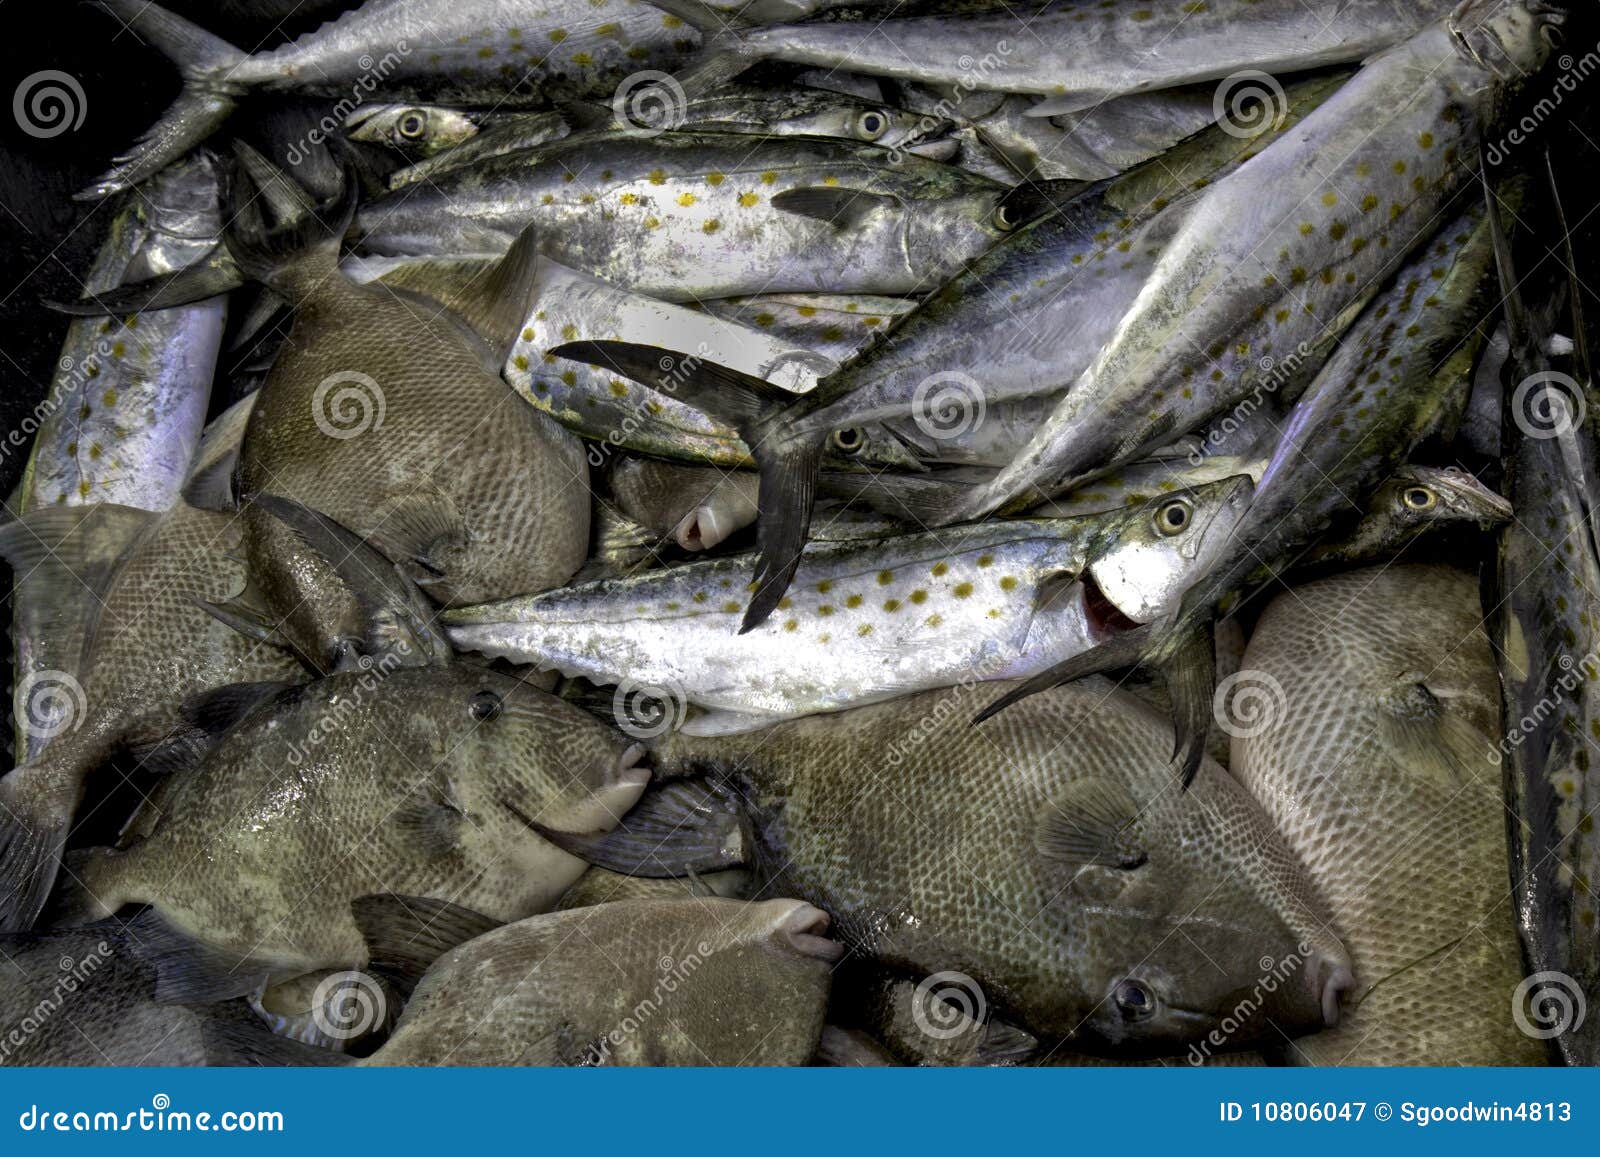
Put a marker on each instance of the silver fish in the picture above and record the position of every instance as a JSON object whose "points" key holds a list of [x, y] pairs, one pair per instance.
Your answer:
{"points": [[866, 620]]}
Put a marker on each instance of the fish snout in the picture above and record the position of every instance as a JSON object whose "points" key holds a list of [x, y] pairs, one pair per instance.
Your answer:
{"points": [[804, 927], [1333, 978]]}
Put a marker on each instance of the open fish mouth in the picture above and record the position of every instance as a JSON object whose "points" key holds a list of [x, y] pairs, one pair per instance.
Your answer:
{"points": [[1104, 618]]}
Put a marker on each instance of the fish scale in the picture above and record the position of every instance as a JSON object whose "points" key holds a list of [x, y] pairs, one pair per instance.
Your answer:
{"points": [[1411, 863]]}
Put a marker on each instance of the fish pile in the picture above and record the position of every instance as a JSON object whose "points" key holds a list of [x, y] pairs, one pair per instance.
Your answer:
{"points": [[800, 532]]}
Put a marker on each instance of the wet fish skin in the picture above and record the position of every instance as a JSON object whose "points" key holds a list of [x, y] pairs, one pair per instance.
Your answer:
{"points": [[1022, 322], [1281, 233], [1076, 54], [1375, 760], [498, 52], [866, 620], [824, 823], [739, 984], [1543, 627], [90, 994], [123, 412], [716, 202], [149, 643], [422, 778], [384, 412]]}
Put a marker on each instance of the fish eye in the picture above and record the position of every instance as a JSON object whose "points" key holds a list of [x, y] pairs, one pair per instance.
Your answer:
{"points": [[871, 125], [483, 706], [1133, 999], [1005, 219], [1173, 517], [851, 440], [1419, 498], [412, 124]]}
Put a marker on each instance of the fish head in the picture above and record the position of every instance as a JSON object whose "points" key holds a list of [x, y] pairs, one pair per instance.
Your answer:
{"points": [[747, 983], [874, 124], [960, 222], [416, 130], [508, 747], [1197, 920], [1149, 554], [1509, 38], [1420, 499]]}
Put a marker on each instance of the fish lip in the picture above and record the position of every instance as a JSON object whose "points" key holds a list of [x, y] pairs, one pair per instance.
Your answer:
{"points": [[804, 928], [633, 766], [1336, 980]]}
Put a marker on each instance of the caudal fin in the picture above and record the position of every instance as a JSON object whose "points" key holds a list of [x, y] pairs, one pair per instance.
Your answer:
{"points": [[788, 463], [205, 62], [35, 816]]}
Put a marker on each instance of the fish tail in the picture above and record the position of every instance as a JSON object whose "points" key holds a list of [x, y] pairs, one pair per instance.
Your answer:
{"points": [[36, 806], [788, 458], [726, 52], [296, 250], [164, 291], [206, 63]]}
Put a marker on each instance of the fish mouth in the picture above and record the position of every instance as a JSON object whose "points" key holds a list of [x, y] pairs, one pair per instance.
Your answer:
{"points": [[1104, 618], [805, 929], [634, 768], [1335, 979], [936, 150]]}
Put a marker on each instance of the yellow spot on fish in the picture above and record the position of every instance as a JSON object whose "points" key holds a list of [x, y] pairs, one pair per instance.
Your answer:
{"points": [[582, 59], [109, 397], [557, 35], [824, 587], [1399, 166], [768, 177], [864, 630], [891, 605], [1369, 203], [730, 607], [1008, 583], [885, 577], [714, 179], [919, 597], [711, 226], [1307, 228], [520, 361], [853, 601], [687, 199], [527, 335], [825, 610], [1425, 140], [652, 222], [1330, 198], [95, 451], [746, 200], [485, 52], [962, 590], [670, 21], [790, 625], [934, 620], [619, 389], [940, 570], [569, 377], [986, 560], [629, 198], [699, 596], [658, 177]]}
